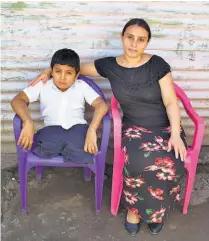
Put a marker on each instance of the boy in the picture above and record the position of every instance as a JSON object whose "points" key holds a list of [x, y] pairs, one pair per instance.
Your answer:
{"points": [[62, 104]]}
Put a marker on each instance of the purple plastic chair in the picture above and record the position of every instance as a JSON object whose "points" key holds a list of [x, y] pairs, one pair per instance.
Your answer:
{"points": [[27, 160]]}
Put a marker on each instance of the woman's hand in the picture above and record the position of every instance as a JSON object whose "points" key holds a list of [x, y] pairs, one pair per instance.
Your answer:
{"points": [[177, 144], [26, 135], [43, 76], [91, 142]]}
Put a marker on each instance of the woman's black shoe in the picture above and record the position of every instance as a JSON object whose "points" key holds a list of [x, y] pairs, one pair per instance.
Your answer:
{"points": [[155, 228], [132, 228]]}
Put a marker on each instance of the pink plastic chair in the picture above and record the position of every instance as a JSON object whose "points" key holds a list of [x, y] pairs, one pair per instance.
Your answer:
{"points": [[190, 163]]}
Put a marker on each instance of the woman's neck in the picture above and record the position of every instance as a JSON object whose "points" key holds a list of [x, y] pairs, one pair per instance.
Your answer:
{"points": [[131, 61], [128, 62]]}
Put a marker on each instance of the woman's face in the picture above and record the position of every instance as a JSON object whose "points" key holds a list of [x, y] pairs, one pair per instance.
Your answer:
{"points": [[135, 40]]}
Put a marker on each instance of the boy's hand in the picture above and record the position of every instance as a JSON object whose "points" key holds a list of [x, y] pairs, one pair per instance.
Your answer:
{"points": [[26, 135], [91, 142]]}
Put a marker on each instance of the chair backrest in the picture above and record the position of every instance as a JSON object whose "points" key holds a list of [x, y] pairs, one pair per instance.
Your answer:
{"points": [[186, 103], [93, 85], [17, 126], [198, 121]]}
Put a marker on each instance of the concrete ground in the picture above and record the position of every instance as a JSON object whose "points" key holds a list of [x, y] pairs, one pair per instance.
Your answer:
{"points": [[62, 208]]}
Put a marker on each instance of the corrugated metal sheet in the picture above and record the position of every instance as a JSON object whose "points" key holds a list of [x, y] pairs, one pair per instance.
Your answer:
{"points": [[32, 31]]}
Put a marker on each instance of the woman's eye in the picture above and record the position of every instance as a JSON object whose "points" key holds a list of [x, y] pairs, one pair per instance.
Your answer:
{"points": [[57, 71], [130, 37]]}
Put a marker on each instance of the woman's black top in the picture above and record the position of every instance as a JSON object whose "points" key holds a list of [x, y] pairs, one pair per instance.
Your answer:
{"points": [[137, 90]]}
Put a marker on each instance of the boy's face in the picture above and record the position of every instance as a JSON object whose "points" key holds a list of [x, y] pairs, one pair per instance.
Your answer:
{"points": [[64, 76]]}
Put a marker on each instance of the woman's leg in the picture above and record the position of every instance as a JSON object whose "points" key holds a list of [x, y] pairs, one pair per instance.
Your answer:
{"points": [[151, 174]]}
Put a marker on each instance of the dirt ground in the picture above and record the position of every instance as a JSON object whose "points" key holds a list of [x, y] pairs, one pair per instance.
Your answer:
{"points": [[62, 208]]}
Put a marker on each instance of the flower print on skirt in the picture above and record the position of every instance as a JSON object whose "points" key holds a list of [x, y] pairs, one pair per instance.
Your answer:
{"points": [[151, 176]]}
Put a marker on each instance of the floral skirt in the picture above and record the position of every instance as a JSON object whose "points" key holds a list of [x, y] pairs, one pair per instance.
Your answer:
{"points": [[151, 174]]}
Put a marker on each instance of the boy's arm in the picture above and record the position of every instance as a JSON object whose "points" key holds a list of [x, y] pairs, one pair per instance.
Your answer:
{"points": [[20, 106], [101, 109]]}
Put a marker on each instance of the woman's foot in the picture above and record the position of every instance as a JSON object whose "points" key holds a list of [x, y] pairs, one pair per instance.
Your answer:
{"points": [[132, 223], [155, 228]]}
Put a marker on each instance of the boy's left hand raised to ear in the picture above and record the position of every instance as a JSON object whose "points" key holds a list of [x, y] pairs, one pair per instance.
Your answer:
{"points": [[91, 142]]}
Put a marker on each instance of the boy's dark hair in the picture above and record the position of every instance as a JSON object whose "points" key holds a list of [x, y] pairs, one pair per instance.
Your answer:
{"points": [[66, 57], [139, 22]]}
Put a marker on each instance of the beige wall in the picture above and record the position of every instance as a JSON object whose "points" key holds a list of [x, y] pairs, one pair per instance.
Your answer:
{"points": [[33, 31]]}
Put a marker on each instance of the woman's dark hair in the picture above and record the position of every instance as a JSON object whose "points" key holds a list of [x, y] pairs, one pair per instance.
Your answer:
{"points": [[66, 57], [139, 22]]}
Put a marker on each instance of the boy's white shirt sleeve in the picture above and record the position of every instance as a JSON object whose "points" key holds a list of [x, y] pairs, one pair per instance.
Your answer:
{"points": [[90, 94], [33, 92]]}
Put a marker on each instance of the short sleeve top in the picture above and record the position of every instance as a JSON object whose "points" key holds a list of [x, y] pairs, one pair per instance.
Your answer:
{"points": [[62, 108], [137, 90]]}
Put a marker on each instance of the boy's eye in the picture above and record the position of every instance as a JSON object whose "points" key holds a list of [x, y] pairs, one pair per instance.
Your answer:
{"points": [[69, 73], [130, 37], [57, 71]]}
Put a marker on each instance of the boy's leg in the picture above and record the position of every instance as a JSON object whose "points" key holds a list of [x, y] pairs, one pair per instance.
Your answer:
{"points": [[74, 149], [48, 141]]}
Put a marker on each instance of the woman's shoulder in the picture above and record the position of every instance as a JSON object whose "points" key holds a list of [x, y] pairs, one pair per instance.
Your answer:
{"points": [[159, 67], [158, 59], [108, 59], [102, 65]]}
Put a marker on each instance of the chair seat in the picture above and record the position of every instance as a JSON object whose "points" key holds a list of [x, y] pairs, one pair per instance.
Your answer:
{"points": [[33, 159]]}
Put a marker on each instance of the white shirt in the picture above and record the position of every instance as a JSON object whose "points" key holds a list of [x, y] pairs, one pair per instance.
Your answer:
{"points": [[62, 108]]}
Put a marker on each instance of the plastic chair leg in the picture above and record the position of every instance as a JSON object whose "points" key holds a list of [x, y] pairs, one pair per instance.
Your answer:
{"points": [[99, 181], [23, 176], [188, 190], [39, 170], [87, 174]]}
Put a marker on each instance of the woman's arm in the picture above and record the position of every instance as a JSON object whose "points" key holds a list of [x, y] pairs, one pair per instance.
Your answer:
{"points": [[85, 69], [44, 76], [172, 108], [171, 103], [88, 69]]}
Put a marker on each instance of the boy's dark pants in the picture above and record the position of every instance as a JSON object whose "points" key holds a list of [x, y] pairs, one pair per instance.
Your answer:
{"points": [[52, 141]]}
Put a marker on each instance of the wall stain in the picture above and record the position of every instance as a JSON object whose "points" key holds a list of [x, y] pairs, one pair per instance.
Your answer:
{"points": [[18, 5]]}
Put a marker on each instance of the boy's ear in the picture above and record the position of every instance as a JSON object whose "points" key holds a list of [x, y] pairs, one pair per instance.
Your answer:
{"points": [[77, 75]]}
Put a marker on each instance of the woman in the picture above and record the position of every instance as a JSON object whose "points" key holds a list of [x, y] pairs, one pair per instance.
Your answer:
{"points": [[153, 140]]}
